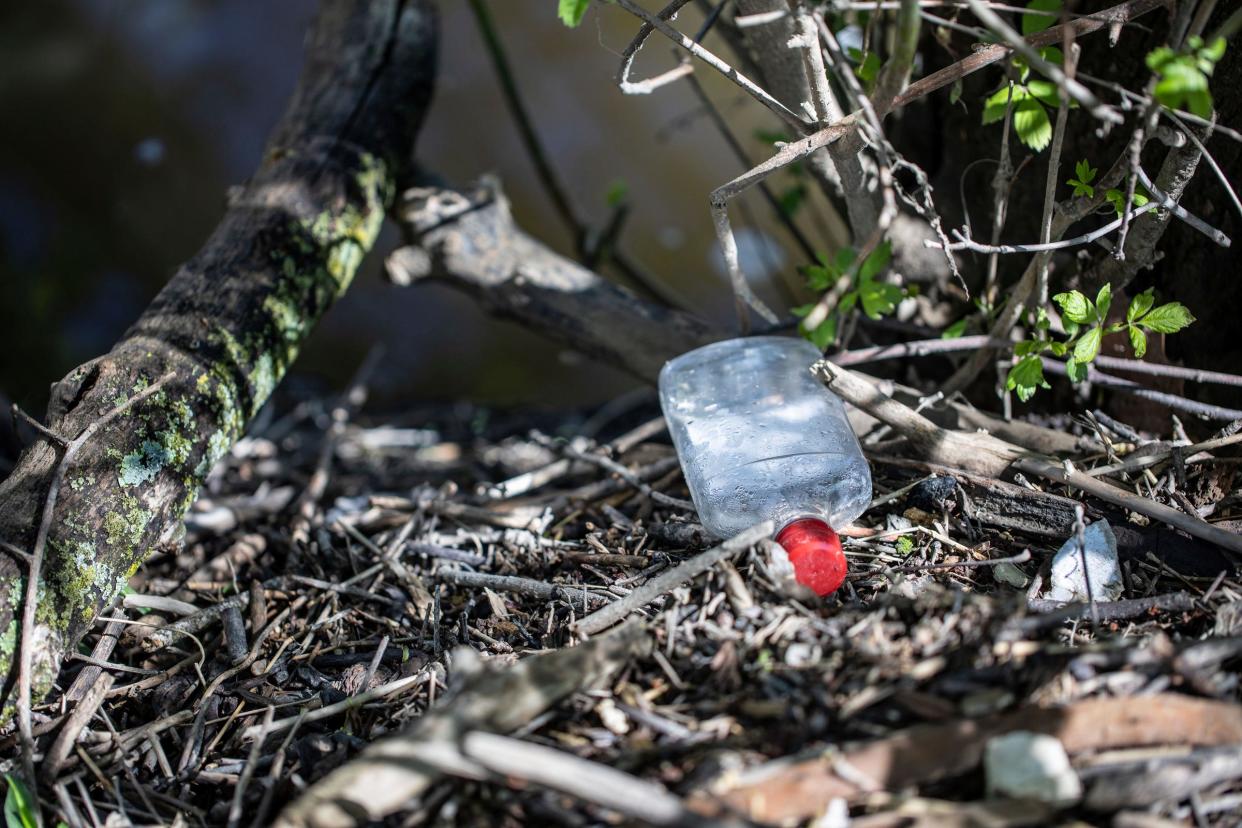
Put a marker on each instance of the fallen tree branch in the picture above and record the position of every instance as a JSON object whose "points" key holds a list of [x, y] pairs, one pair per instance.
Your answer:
{"points": [[494, 698], [470, 241], [227, 326]]}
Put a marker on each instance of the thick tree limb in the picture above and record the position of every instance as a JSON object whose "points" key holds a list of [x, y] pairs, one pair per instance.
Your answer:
{"points": [[226, 327]]}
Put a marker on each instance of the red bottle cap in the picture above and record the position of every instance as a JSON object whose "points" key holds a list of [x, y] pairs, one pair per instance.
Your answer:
{"points": [[815, 552]]}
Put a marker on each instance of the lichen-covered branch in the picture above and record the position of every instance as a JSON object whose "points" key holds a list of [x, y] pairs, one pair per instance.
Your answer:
{"points": [[227, 326]]}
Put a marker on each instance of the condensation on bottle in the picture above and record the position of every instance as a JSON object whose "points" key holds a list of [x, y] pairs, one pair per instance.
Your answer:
{"points": [[759, 438]]}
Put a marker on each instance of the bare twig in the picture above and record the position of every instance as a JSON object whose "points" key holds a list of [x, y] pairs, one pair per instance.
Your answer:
{"points": [[659, 22], [667, 581]]}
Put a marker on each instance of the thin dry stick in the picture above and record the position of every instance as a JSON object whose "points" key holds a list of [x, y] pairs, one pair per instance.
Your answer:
{"points": [[986, 454], [71, 448], [1054, 174], [252, 762], [56, 755], [965, 243], [646, 87], [351, 703], [667, 581], [1137, 461], [1080, 539], [657, 22]]}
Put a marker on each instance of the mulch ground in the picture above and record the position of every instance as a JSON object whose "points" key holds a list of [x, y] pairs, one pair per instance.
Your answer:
{"points": [[332, 571]]}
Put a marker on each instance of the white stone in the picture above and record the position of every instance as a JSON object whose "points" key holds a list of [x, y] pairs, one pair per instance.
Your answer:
{"points": [[1025, 765], [1067, 582]]}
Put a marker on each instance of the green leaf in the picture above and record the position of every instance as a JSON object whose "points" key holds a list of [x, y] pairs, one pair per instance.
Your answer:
{"points": [[1045, 92], [955, 91], [1103, 300], [769, 136], [792, 199], [1025, 376], [1182, 82], [1082, 183], [1030, 121], [1070, 326], [1085, 172], [802, 310], [1213, 52], [868, 65], [19, 805], [1028, 346], [824, 334], [1117, 199], [875, 263], [1081, 190], [1053, 55], [1167, 319], [571, 11], [1032, 23], [1088, 346], [1077, 371], [1139, 305], [617, 191], [1074, 306], [905, 545], [1138, 341], [878, 299], [1160, 57], [994, 107], [956, 329], [1058, 348]]}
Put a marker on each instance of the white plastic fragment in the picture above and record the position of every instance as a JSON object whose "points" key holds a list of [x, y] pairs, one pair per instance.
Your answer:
{"points": [[1067, 582], [1025, 765]]}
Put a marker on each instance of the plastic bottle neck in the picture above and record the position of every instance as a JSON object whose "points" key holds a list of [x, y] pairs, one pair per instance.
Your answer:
{"points": [[814, 549]]}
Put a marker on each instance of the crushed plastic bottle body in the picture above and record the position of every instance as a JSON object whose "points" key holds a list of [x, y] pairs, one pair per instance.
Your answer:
{"points": [[759, 438]]}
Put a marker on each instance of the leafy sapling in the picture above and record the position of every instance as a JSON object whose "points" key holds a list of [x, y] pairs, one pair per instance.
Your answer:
{"points": [[1085, 324]]}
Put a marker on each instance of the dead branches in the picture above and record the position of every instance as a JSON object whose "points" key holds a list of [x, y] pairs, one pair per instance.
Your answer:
{"points": [[497, 699]]}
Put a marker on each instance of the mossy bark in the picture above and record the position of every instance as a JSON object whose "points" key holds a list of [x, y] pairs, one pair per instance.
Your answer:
{"points": [[227, 325]]}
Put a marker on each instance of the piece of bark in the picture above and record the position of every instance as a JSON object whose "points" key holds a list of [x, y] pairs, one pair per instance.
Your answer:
{"points": [[226, 326], [786, 791], [1002, 504], [494, 698]]}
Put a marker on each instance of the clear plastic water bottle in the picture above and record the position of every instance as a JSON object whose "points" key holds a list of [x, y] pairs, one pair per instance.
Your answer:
{"points": [[759, 438]]}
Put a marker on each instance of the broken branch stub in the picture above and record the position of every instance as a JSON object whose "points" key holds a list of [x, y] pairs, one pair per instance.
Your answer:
{"points": [[227, 326]]}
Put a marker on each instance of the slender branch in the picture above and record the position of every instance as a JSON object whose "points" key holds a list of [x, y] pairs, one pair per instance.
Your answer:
{"points": [[517, 108], [667, 581], [659, 23], [981, 58], [965, 243]]}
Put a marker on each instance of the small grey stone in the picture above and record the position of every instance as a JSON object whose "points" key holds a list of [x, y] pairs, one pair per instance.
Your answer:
{"points": [[1025, 765]]}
